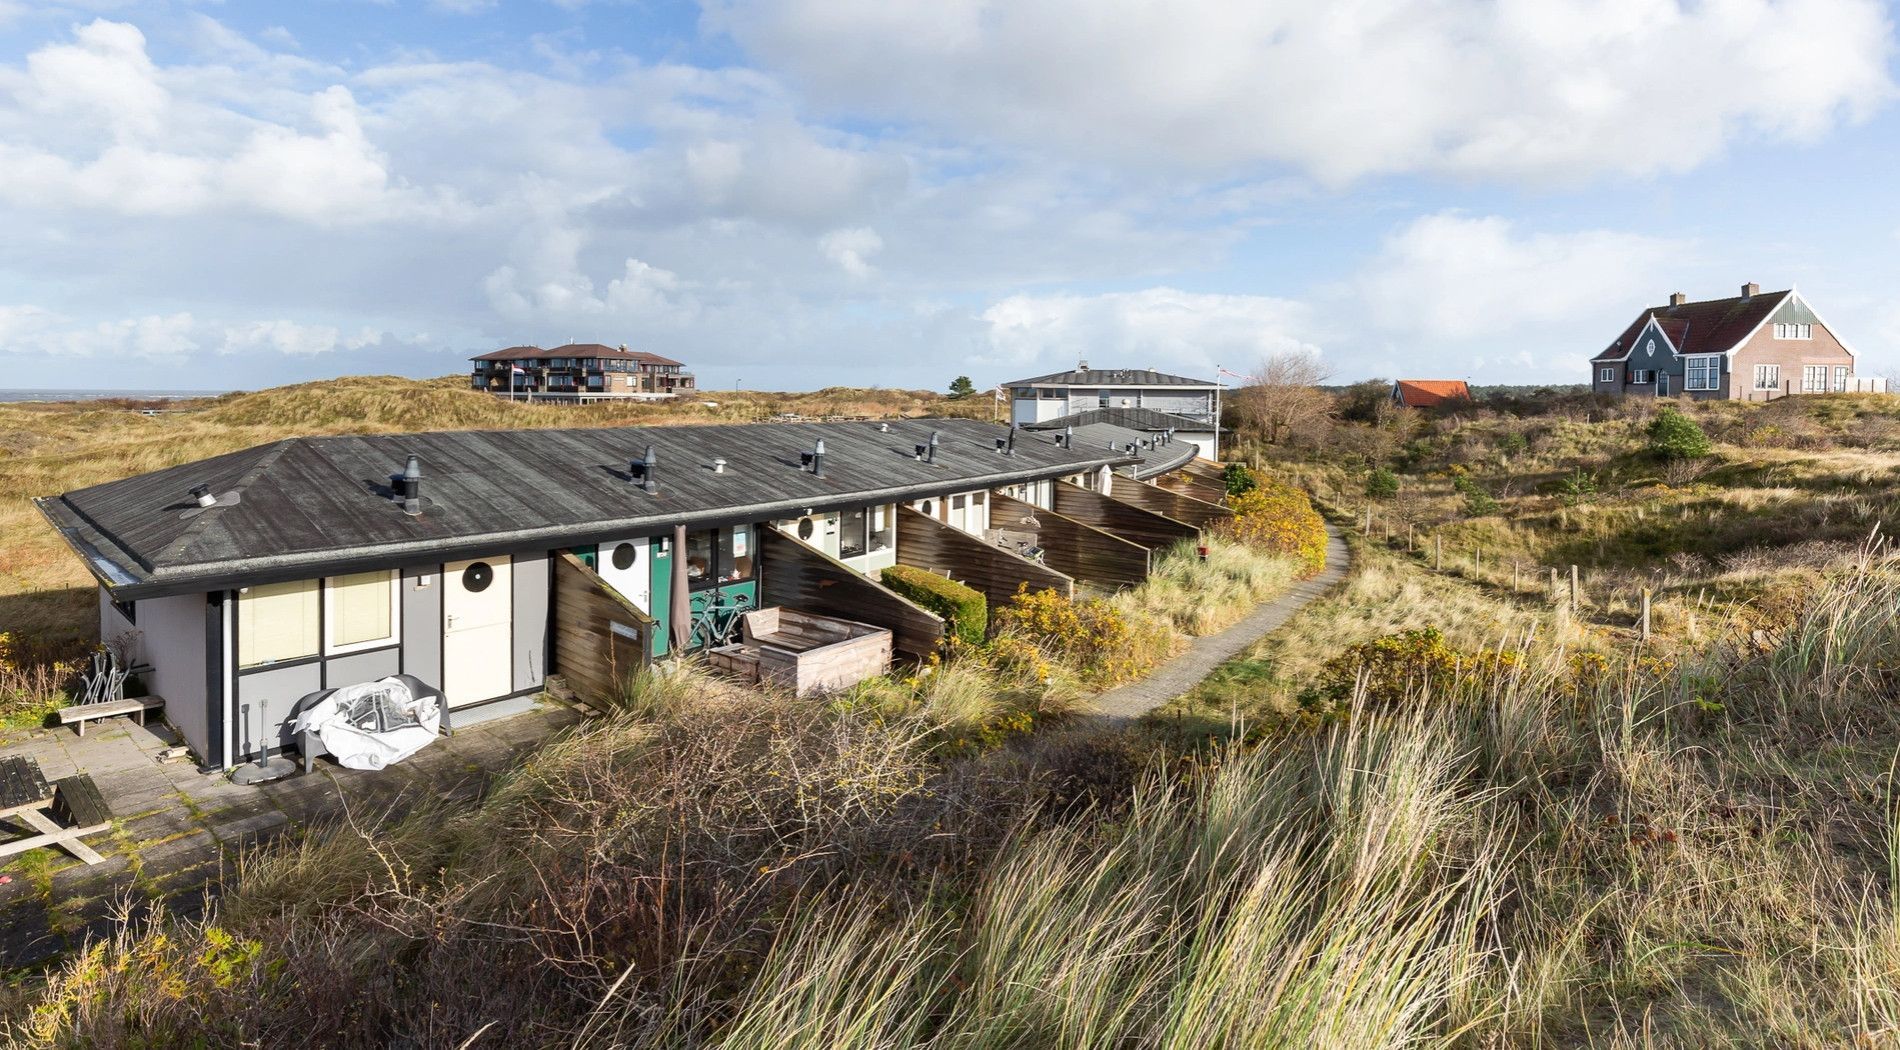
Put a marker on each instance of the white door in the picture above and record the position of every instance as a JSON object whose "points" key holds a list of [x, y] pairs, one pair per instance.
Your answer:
{"points": [[628, 568], [477, 611]]}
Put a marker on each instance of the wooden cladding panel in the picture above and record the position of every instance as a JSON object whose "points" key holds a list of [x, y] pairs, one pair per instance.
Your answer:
{"points": [[1080, 551], [600, 638], [1179, 506], [931, 545], [1111, 515], [1193, 488], [799, 576]]}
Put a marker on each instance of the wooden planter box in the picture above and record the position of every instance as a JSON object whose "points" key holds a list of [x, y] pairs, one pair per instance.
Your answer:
{"points": [[804, 652]]}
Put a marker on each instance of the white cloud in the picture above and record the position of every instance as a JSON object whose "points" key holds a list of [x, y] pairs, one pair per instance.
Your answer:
{"points": [[1163, 328], [1547, 89], [1450, 277], [852, 249]]}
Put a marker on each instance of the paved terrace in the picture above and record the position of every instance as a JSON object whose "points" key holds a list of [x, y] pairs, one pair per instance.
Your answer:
{"points": [[177, 830]]}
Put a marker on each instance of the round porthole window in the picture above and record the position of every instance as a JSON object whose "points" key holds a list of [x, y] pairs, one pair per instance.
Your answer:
{"points": [[623, 556], [477, 577], [804, 528]]}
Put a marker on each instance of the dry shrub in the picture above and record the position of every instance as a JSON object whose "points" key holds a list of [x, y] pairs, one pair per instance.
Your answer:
{"points": [[1411, 664]]}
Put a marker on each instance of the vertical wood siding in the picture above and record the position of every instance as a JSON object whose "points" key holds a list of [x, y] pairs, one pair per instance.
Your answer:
{"points": [[1070, 547], [931, 545], [799, 576], [1130, 522], [595, 658], [1177, 505]]}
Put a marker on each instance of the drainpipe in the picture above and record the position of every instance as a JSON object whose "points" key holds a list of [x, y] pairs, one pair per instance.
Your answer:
{"points": [[682, 601]]}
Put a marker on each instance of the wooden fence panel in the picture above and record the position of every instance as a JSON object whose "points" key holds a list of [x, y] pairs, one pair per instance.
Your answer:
{"points": [[800, 576], [1070, 547], [1126, 520], [929, 544], [600, 638], [1179, 506], [1192, 487]]}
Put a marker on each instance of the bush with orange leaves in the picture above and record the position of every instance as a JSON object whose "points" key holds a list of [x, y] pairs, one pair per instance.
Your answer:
{"points": [[1275, 516]]}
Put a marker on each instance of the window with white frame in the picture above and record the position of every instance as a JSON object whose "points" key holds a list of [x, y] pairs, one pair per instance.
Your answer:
{"points": [[1794, 331], [359, 611], [1840, 378], [1642, 376], [1702, 372], [1813, 379], [1767, 377], [1606, 375], [277, 622]]}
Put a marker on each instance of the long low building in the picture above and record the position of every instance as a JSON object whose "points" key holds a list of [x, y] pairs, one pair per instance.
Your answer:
{"points": [[483, 561]]}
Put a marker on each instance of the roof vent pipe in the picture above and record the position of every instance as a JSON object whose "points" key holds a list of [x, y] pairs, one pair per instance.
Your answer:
{"points": [[930, 456], [409, 486], [818, 458], [643, 469], [1068, 437], [202, 495], [1010, 449], [719, 466], [883, 428]]}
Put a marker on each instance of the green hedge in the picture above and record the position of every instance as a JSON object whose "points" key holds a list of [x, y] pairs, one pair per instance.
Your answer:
{"points": [[965, 614]]}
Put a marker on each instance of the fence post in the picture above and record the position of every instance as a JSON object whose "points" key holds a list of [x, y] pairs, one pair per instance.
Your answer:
{"points": [[1409, 545], [1553, 581], [1514, 577], [1573, 588], [1645, 614]]}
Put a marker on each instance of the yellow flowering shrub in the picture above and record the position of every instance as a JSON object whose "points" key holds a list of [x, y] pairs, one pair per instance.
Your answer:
{"points": [[1394, 666], [1091, 637], [1276, 516]]}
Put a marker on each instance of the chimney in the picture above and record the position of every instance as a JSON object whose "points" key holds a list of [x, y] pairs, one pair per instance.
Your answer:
{"points": [[1750, 290], [1010, 449], [643, 469], [1068, 437], [202, 496], [409, 486], [818, 458], [930, 455], [1677, 298]]}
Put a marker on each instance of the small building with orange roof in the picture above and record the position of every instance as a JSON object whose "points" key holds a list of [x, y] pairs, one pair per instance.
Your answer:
{"points": [[1425, 393]]}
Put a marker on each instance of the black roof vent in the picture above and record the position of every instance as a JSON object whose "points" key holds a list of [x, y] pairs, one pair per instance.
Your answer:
{"points": [[815, 459], [644, 471], [202, 496], [406, 487]]}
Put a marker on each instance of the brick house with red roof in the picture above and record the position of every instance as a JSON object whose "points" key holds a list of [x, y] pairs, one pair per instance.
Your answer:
{"points": [[580, 372], [1757, 346]]}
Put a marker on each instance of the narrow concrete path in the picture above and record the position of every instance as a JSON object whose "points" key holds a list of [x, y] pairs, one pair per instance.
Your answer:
{"points": [[1184, 672]]}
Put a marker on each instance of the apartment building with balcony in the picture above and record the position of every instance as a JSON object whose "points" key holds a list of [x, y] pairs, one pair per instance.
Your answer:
{"points": [[580, 372]]}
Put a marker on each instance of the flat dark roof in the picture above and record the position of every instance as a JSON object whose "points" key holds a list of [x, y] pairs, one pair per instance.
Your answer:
{"points": [[319, 505]]}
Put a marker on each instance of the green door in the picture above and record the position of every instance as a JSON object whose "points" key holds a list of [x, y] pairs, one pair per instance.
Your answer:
{"points": [[662, 601], [589, 556]]}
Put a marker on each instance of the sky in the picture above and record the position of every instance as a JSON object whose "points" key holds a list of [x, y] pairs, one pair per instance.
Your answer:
{"points": [[788, 194]]}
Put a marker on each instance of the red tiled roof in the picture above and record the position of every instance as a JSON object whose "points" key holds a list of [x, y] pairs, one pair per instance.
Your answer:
{"points": [[1712, 326], [1424, 393], [535, 353]]}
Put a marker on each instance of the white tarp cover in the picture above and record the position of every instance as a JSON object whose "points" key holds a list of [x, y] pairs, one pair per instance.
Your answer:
{"points": [[357, 747]]}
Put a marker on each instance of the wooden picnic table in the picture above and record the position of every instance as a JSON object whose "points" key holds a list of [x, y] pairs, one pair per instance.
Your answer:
{"points": [[26, 797]]}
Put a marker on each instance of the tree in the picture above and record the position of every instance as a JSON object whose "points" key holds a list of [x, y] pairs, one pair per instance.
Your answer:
{"points": [[1368, 402], [962, 387], [1283, 397], [1674, 436]]}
